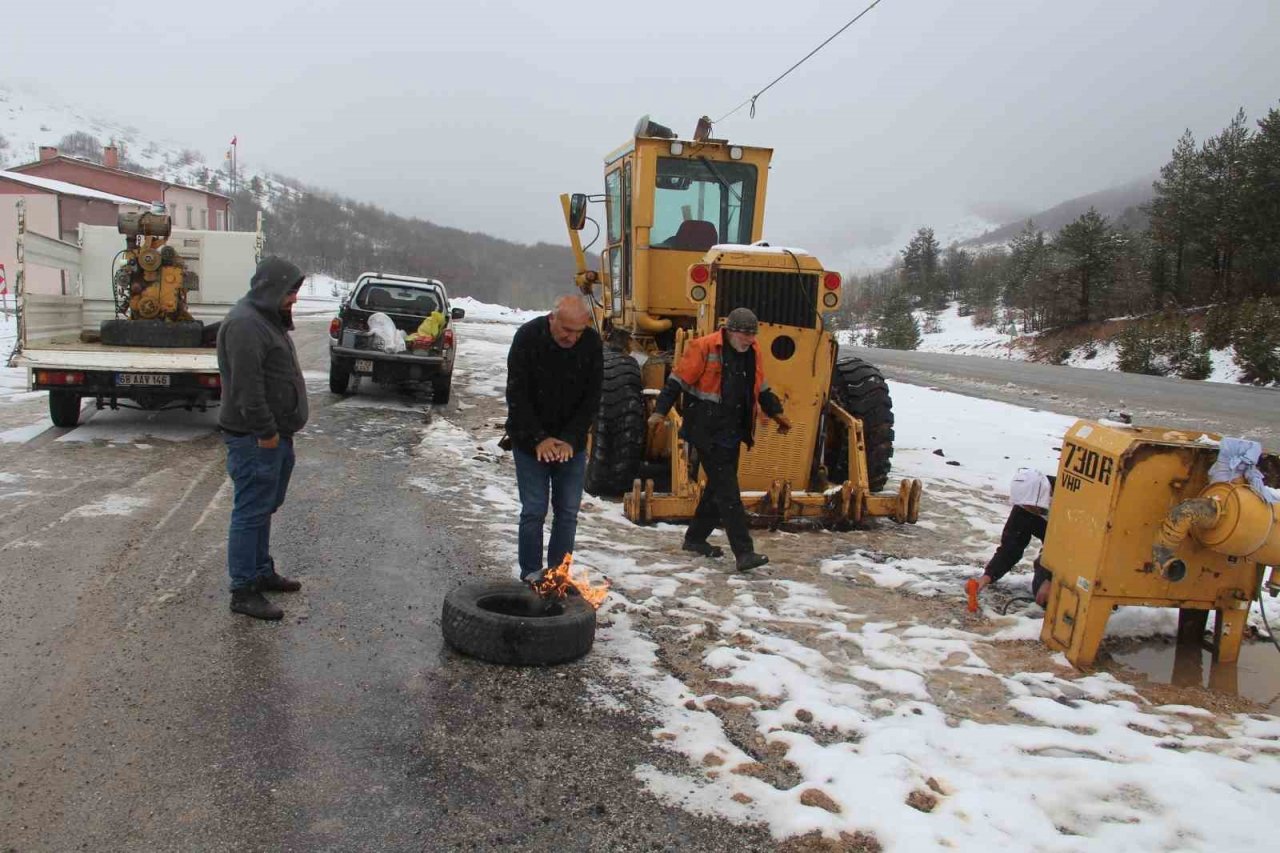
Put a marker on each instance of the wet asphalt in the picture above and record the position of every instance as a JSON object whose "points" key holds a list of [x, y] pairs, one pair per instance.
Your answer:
{"points": [[137, 713]]}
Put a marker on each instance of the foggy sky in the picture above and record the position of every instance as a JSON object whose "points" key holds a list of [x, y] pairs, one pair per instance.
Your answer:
{"points": [[479, 114]]}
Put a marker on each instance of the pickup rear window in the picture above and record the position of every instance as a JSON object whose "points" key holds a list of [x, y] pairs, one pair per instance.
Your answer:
{"points": [[398, 299]]}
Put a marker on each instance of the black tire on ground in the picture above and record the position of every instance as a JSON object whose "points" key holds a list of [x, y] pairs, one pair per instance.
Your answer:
{"points": [[440, 389], [500, 622], [151, 333], [64, 408], [339, 375], [859, 389], [618, 436]]}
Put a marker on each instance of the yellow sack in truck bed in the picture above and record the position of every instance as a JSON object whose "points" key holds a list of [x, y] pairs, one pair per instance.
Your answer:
{"points": [[431, 326]]}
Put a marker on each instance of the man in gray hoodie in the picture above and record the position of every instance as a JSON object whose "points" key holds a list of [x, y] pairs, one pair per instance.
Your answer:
{"points": [[264, 402]]}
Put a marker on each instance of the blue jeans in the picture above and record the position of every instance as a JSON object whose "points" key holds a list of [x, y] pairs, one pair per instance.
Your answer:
{"points": [[261, 477], [540, 483]]}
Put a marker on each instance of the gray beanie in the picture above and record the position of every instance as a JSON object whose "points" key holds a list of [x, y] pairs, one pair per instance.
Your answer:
{"points": [[742, 320]]}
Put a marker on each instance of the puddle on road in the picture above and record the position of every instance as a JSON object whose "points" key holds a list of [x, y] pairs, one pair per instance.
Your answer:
{"points": [[1256, 676]]}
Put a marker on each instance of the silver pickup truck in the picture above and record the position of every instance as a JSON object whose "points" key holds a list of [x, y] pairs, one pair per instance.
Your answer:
{"points": [[354, 351]]}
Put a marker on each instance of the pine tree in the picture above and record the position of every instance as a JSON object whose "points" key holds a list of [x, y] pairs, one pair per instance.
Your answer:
{"points": [[1255, 345], [1226, 182], [956, 267], [920, 269], [1090, 248], [1177, 207], [1136, 350], [1263, 203], [895, 327], [1028, 258]]}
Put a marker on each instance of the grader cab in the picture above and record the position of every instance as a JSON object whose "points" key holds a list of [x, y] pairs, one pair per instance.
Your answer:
{"points": [[682, 248]]}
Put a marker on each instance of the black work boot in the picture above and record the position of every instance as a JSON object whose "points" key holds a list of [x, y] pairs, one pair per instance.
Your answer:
{"points": [[751, 560], [704, 548], [250, 602], [277, 583]]}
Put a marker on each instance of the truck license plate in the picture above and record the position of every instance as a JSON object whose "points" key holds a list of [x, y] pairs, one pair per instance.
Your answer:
{"points": [[364, 365], [142, 379]]}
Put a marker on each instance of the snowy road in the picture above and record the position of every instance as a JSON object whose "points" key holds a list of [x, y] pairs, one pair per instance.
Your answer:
{"points": [[1238, 410], [840, 699]]}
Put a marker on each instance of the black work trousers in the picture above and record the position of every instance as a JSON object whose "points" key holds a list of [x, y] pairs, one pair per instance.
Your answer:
{"points": [[721, 503]]}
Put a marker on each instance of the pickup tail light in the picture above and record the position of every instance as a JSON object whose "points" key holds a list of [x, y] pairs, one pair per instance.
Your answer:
{"points": [[59, 377], [211, 380], [447, 337], [335, 326]]}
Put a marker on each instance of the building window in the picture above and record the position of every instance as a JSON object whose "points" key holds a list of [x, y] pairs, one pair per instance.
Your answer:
{"points": [[222, 220], [204, 219], [189, 219]]}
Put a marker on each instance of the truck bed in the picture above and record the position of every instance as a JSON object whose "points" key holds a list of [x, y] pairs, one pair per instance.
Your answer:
{"points": [[74, 354]]}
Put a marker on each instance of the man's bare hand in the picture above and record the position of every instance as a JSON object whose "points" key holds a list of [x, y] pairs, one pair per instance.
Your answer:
{"points": [[270, 443], [553, 450], [784, 425]]}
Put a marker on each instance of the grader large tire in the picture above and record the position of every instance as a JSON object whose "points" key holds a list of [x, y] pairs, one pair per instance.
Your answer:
{"points": [[617, 439], [860, 389]]}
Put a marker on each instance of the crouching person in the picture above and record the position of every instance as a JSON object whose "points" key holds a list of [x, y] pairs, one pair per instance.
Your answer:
{"points": [[264, 403], [1030, 493]]}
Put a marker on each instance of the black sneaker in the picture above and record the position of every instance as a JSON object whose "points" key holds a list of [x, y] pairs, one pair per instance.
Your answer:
{"points": [[705, 549], [751, 560], [250, 602], [277, 583]]}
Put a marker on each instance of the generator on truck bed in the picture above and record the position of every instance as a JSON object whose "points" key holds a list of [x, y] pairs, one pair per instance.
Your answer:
{"points": [[683, 248], [60, 335]]}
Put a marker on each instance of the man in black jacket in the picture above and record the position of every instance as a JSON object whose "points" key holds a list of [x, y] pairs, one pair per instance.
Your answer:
{"points": [[554, 371], [264, 402]]}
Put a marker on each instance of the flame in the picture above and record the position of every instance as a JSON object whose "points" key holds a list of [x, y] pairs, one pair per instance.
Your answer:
{"points": [[558, 581]]}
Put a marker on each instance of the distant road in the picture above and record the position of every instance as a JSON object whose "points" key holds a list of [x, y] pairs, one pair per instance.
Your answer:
{"points": [[1237, 410]]}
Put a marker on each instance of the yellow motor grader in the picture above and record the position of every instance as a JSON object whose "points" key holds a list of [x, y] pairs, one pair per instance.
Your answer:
{"points": [[682, 248]]}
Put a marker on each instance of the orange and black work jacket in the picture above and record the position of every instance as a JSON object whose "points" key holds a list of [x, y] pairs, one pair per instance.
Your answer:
{"points": [[708, 417]]}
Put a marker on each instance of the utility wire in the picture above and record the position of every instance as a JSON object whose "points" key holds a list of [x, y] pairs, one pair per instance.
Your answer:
{"points": [[752, 99]]}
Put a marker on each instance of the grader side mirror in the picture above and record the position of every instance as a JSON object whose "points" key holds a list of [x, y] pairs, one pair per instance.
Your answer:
{"points": [[577, 211]]}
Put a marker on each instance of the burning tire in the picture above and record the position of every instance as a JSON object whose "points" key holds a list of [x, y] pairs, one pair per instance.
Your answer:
{"points": [[507, 623], [860, 389], [617, 440]]}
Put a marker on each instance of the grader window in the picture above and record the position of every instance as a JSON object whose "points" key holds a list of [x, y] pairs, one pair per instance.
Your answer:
{"points": [[698, 203]]}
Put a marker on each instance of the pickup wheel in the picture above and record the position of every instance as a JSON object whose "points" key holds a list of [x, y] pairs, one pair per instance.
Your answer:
{"points": [[64, 408], [339, 375], [440, 388], [617, 439]]}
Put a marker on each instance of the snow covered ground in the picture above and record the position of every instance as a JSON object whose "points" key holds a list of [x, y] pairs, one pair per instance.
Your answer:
{"points": [[843, 690]]}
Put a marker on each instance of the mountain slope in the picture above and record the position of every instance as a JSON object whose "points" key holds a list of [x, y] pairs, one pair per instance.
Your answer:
{"points": [[1117, 203]]}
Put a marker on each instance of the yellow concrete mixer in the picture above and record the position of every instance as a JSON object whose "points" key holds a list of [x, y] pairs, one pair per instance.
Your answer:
{"points": [[1137, 520]]}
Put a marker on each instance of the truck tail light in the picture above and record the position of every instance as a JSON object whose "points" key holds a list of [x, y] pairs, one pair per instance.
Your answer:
{"points": [[211, 380], [831, 281], [335, 326], [699, 273], [58, 377], [447, 337]]}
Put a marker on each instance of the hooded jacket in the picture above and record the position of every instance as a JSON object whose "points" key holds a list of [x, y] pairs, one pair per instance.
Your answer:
{"points": [[263, 392]]}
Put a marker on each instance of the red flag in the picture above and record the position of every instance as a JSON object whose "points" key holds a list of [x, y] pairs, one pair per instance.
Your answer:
{"points": [[234, 138]]}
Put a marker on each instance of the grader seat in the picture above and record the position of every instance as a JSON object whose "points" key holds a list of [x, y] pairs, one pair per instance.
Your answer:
{"points": [[694, 235]]}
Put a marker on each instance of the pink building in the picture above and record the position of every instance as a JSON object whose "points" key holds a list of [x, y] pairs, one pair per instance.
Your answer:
{"points": [[191, 207], [54, 209]]}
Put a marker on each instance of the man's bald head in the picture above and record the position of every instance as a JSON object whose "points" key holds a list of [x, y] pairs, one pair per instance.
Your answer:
{"points": [[569, 319]]}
